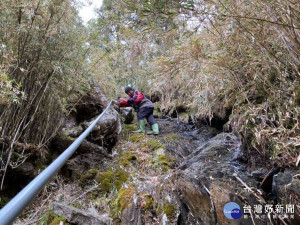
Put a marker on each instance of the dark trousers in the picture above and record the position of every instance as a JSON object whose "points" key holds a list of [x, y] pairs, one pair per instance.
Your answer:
{"points": [[146, 113]]}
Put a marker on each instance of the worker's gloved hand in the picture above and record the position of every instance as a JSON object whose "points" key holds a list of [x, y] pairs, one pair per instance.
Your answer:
{"points": [[123, 102]]}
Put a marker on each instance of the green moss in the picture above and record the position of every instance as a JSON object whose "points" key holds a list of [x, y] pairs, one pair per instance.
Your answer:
{"points": [[120, 178], [153, 144], [127, 128], [166, 160], [123, 200], [170, 210], [136, 137], [77, 205], [131, 157], [162, 159], [123, 161], [110, 179], [165, 169], [184, 116], [88, 177], [126, 157], [172, 137], [159, 209], [158, 113], [149, 202], [57, 221], [50, 218]]}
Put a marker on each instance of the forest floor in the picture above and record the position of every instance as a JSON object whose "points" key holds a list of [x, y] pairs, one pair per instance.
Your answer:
{"points": [[141, 163], [161, 179]]}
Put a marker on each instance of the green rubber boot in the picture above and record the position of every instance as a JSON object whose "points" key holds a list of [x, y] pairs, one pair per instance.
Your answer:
{"points": [[142, 127], [155, 129]]}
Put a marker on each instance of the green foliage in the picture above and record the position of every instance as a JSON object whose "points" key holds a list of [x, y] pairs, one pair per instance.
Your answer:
{"points": [[87, 177], [172, 137], [50, 218], [170, 210], [127, 129], [149, 202], [123, 200], [153, 144], [111, 179], [230, 63], [9, 90], [162, 159], [43, 67], [136, 137]]}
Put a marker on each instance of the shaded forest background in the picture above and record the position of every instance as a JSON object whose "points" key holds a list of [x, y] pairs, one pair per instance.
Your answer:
{"points": [[234, 60]]}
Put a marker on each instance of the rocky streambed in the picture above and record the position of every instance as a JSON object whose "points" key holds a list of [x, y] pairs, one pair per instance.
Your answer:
{"points": [[185, 175]]}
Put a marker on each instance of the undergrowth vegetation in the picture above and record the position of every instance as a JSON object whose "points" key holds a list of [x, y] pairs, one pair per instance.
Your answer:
{"points": [[213, 58], [44, 69], [138, 158], [235, 60]]}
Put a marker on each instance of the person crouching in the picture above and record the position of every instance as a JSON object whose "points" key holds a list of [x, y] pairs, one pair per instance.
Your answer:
{"points": [[144, 108]]}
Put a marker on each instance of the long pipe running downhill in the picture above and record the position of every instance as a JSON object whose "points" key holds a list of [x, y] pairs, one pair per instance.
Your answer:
{"points": [[13, 209]]}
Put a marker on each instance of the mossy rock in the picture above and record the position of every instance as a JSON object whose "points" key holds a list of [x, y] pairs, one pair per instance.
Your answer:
{"points": [[163, 160], [153, 144], [170, 210], [123, 161], [127, 128], [51, 218], [123, 200], [57, 221], [131, 157], [111, 179], [172, 137], [87, 177], [126, 158], [184, 116], [149, 202], [136, 137], [166, 160]]}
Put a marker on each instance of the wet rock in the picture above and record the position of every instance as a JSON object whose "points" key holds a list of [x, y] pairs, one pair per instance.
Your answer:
{"points": [[206, 182], [61, 142], [259, 174], [280, 184], [266, 184], [70, 121], [74, 131], [227, 127], [283, 178], [127, 114], [95, 149], [91, 104], [132, 215], [295, 187], [77, 216], [26, 168], [197, 200], [106, 131]]}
